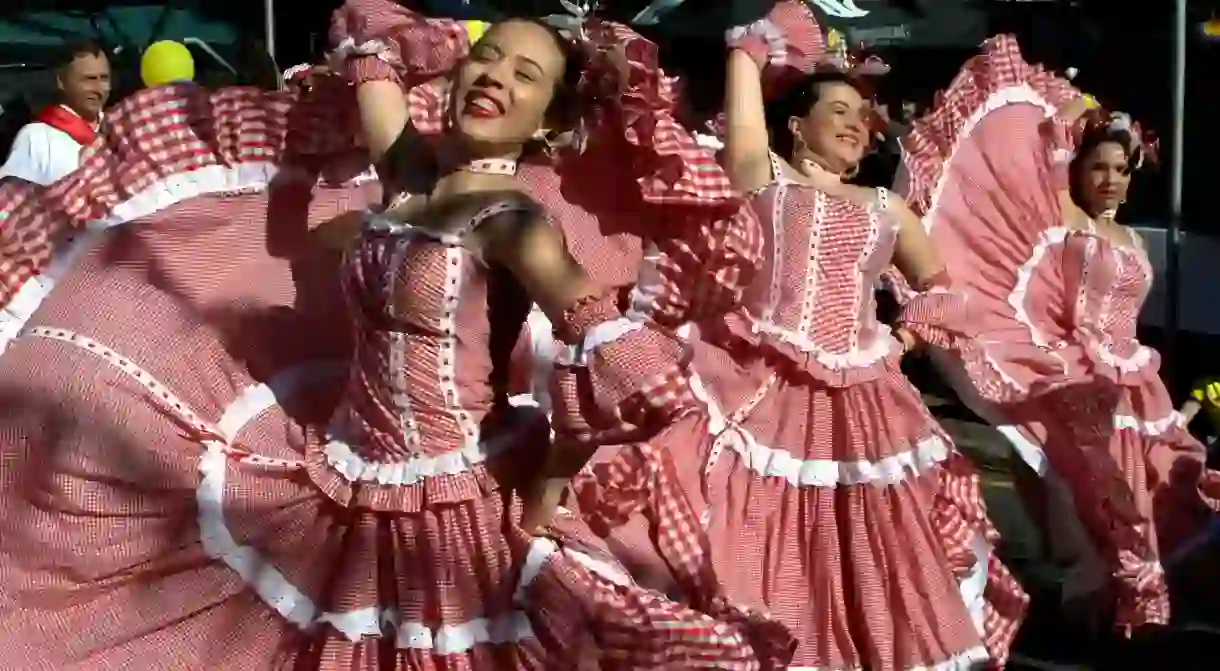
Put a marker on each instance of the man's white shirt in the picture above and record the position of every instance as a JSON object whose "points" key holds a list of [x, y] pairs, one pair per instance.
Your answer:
{"points": [[41, 154]]}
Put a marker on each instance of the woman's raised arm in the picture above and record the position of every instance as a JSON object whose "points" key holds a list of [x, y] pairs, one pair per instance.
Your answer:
{"points": [[746, 143]]}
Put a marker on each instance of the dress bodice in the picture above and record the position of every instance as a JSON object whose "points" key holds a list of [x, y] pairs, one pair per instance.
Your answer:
{"points": [[1113, 283], [824, 256], [430, 362]]}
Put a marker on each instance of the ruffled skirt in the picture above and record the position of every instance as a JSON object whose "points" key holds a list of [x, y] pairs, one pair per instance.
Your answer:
{"points": [[845, 513], [1138, 486], [140, 530]]}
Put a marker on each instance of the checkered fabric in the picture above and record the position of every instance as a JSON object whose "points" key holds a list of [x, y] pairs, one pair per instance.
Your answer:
{"points": [[152, 137], [1057, 355], [930, 142]]}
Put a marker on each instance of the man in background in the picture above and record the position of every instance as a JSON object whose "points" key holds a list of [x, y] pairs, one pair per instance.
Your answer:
{"points": [[46, 150], [49, 147]]}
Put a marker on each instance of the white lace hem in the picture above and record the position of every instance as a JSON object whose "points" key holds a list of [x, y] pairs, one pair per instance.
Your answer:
{"points": [[1012, 95], [287, 600], [1033, 454], [601, 334], [1020, 94], [271, 586], [354, 468], [1132, 364], [1151, 428], [882, 346]]}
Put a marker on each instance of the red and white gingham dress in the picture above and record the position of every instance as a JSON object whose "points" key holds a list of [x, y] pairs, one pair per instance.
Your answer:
{"points": [[162, 504], [1057, 363], [831, 496]]}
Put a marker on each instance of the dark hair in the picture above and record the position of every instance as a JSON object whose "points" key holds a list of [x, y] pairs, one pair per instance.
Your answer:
{"points": [[796, 101], [1093, 139], [72, 50]]}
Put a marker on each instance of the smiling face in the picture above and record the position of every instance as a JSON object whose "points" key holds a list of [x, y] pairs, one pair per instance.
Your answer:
{"points": [[835, 128], [84, 84], [1103, 176], [505, 88]]}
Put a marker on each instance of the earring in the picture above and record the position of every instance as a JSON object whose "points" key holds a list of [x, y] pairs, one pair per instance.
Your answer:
{"points": [[798, 144]]}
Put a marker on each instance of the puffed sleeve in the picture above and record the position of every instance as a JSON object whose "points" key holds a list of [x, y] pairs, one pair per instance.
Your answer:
{"points": [[380, 40], [625, 374]]}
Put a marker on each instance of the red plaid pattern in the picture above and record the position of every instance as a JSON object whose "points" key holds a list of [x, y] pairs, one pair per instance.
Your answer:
{"points": [[939, 318], [642, 480], [932, 138], [416, 48], [803, 42], [708, 272], [162, 132]]}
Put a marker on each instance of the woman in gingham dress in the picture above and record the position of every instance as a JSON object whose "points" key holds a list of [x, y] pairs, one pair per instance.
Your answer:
{"points": [[831, 496], [1019, 178], [401, 534]]}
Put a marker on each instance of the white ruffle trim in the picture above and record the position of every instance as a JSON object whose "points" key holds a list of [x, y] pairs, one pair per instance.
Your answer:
{"points": [[770, 461], [1012, 95], [291, 603], [1151, 428], [354, 468], [1131, 364], [880, 348], [776, 41], [1025, 273], [601, 334], [158, 196], [35, 290], [271, 586]]}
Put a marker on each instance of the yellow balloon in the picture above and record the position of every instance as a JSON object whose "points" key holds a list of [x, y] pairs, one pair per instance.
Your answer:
{"points": [[475, 30], [166, 62]]}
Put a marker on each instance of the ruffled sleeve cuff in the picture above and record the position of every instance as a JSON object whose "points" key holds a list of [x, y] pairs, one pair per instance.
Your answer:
{"points": [[700, 271], [379, 40], [787, 42], [938, 316], [618, 379], [362, 69]]}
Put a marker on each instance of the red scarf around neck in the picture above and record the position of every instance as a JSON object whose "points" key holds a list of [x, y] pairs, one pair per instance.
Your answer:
{"points": [[59, 117]]}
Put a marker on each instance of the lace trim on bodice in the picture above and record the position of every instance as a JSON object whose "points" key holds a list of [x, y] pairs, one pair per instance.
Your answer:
{"points": [[1103, 343], [346, 450], [882, 345]]}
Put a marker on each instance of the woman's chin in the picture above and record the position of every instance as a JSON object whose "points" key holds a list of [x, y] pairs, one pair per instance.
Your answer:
{"points": [[848, 162]]}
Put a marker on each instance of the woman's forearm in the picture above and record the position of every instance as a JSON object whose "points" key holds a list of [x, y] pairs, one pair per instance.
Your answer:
{"points": [[383, 115]]}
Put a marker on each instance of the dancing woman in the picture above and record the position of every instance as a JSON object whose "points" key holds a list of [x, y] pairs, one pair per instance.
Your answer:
{"points": [[831, 496], [395, 536], [1020, 185]]}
